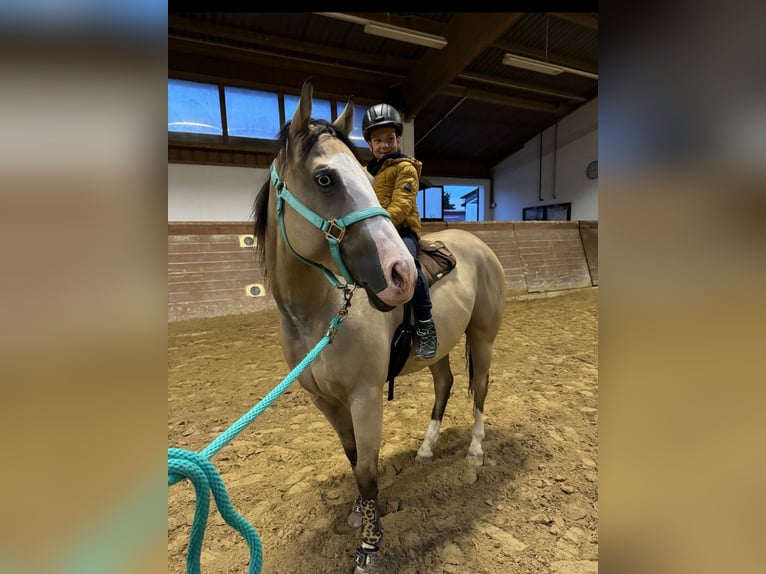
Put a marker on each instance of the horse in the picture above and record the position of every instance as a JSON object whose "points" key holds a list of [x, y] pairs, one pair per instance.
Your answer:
{"points": [[321, 233]]}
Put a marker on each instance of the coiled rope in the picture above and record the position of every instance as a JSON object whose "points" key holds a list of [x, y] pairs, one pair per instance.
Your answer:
{"points": [[205, 478]]}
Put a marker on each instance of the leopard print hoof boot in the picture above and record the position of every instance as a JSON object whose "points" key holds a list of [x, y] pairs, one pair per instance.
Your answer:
{"points": [[368, 558]]}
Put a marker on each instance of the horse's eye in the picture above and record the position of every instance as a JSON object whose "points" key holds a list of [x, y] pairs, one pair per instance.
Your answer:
{"points": [[324, 180]]}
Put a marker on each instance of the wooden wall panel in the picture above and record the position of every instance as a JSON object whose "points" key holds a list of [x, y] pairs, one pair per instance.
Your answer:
{"points": [[208, 270], [552, 255], [589, 237], [208, 275], [500, 236], [432, 226]]}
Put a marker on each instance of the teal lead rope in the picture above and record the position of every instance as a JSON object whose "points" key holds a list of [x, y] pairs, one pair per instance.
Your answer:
{"points": [[205, 478]]}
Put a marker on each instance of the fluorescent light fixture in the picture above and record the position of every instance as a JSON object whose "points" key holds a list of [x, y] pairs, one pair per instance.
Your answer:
{"points": [[345, 17], [543, 67], [534, 65], [390, 31], [405, 35]]}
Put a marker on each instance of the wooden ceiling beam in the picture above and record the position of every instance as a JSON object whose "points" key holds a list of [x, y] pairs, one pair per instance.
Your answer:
{"points": [[410, 21], [468, 35], [520, 86], [577, 18], [228, 54], [510, 101], [310, 67], [179, 27]]}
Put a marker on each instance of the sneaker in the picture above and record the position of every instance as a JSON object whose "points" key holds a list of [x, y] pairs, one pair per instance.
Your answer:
{"points": [[427, 342]]}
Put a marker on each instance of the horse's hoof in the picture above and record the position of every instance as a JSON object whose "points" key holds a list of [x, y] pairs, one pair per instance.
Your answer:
{"points": [[424, 459], [368, 562], [475, 459]]}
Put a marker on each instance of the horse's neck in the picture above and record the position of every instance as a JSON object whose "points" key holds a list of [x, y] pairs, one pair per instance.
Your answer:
{"points": [[303, 294]]}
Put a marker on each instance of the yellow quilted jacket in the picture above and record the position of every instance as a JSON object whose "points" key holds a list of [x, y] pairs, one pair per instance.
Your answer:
{"points": [[396, 185]]}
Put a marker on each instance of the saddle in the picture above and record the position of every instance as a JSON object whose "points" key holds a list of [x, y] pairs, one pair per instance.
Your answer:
{"points": [[436, 260]]}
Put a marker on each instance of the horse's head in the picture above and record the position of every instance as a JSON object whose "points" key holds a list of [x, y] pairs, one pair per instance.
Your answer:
{"points": [[328, 212]]}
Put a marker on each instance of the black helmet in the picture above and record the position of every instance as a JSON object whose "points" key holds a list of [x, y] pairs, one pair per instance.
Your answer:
{"points": [[381, 115]]}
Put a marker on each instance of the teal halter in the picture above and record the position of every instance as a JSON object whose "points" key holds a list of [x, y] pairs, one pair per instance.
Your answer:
{"points": [[333, 229]]}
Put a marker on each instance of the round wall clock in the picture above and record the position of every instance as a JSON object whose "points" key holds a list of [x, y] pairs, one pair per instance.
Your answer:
{"points": [[592, 170]]}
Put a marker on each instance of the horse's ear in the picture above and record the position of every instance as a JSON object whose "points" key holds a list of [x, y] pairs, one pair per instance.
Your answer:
{"points": [[300, 122], [345, 121]]}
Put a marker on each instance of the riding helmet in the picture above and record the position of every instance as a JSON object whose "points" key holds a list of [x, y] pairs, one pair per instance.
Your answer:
{"points": [[381, 115]]}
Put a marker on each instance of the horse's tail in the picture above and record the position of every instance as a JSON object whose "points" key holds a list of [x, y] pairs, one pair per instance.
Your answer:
{"points": [[469, 365]]}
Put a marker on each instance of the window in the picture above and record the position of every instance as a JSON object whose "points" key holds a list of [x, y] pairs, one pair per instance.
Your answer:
{"points": [[319, 109], [430, 202], [196, 111], [469, 202], [555, 212], [194, 107], [461, 202], [356, 134], [254, 118], [251, 113]]}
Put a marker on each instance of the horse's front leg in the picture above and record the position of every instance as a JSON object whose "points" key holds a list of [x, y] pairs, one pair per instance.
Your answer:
{"points": [[367, 414], [339, 417]]}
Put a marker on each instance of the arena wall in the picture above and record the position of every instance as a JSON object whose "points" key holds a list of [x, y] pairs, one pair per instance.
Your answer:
{"points": [[213, 269]]}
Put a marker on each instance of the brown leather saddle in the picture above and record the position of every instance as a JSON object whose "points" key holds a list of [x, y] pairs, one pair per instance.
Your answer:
{"points": [[436, 260]]}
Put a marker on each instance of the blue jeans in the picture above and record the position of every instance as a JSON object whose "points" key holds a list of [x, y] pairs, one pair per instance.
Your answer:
{"points": [[421, 298]]}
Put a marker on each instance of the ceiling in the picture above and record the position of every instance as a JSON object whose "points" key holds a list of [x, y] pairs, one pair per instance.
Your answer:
{"points": [[470, 111]]}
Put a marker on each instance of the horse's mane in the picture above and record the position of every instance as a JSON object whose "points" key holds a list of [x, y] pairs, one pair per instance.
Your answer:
{"points": [[305, 143]]}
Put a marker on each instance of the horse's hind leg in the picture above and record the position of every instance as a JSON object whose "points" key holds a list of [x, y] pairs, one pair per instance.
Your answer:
{"points": [[479, 357], [443, 379]]}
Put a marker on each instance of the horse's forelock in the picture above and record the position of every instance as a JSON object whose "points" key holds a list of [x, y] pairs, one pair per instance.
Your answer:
{"points": [[319, 127], [308, 139]]}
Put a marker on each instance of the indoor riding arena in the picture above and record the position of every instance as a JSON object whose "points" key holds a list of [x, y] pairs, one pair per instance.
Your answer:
{"points": [[501, 110], [532, 507]]}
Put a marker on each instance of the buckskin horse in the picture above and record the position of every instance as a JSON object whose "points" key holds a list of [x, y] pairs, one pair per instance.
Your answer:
{"points": [[320, 233]]}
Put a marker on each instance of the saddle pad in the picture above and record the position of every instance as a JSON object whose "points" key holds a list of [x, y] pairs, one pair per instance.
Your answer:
{"points": [[435, 259]]}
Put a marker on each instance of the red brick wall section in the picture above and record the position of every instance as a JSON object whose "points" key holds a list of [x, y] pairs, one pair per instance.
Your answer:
{"points": [[552, 255], [210, 267], [208, 275], [499, 235]]}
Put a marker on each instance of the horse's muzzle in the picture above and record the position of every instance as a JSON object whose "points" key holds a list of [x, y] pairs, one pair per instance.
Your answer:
{"points": [[376, 302], [401, 276]]}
